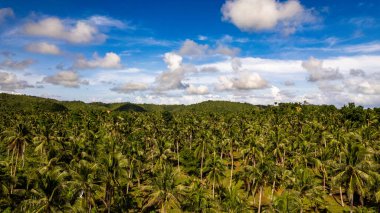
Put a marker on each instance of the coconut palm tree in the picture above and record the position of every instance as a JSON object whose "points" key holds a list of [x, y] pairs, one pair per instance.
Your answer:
{"points": [[353, 173], [48, 193], [215, 172], [164, 191], [16, 139]]}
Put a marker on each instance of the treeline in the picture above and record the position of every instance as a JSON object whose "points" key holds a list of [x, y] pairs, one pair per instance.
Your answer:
{"points": [[286, 158]]}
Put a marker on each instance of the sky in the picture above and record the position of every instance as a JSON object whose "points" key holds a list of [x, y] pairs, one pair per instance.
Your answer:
{"points": [[189, 51]]}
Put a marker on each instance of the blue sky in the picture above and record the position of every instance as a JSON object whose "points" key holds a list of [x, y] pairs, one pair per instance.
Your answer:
{"points": [[188, 51]]}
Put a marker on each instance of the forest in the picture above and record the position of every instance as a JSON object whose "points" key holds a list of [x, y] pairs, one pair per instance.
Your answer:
{"points": [[215, 156]]}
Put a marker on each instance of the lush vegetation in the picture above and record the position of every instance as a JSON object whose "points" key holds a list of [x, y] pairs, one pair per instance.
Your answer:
{"points": [[210, 157]]}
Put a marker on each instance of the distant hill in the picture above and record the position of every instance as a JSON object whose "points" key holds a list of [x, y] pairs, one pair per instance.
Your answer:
{"points": [[30, 103], [219, 106], [128, 107]]}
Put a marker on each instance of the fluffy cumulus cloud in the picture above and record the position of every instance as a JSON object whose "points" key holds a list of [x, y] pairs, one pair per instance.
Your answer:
{"points": [[261, 15], [130, 87], [9, 82], [225, 50], [172, 78], [197, 90], [10, 64], [52, 27], [43, 48], [357, 72], [364, 85], [5, 13], [65, 78], [242, 79], [173, 61], [193, 49], [208, 69], [318, 73], [109, 61]]}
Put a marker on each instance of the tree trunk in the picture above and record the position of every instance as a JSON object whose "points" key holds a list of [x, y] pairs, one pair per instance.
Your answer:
{"points": [[213, 187], [273, 187], [203, 150], [22, 156], [177, 155], [232, 166], [261, 192], [341, 195], [254, 193], [352, 204]]}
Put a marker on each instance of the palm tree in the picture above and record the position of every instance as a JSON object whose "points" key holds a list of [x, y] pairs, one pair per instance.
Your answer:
{"points": [[16, 140], [287, 202], [198, 198], [263, 174], [202, 149], [85, 181], [164, 191], [233, 198], [354, 172], [215, 172], [48, 192]]}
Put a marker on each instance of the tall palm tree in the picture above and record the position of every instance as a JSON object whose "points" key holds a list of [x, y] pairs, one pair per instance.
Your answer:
{"points": [[16, 140], [85, 181], [164, 191], [215, 172], [233, 198], [47, 195], [353, 173]]}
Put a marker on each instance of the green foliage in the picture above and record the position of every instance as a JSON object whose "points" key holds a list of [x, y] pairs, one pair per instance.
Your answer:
{"points": [[214, 156]]}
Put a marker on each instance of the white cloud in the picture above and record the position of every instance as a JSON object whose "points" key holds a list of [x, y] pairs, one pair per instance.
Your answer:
{"points": [[6, 13], [208, 69], [225, 50], [289, 83], [202, 38], [193, 49], [194, 90], [43, 48], [77, 32], [106, 21], [10, 64], [260, 15], [357, 72], [65, 78], [363, 48], [109, 61], [364, 85], [243, 81], [174, 76], [318, 72], [236, 64], [10, 82], [130, 87], [173, 60]]}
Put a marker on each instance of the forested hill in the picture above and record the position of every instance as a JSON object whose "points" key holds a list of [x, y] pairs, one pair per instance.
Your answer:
{"points": [[31, 103]]}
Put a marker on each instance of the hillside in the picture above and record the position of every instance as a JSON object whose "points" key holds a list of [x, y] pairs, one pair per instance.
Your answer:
{"points": [[31, 103]]}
